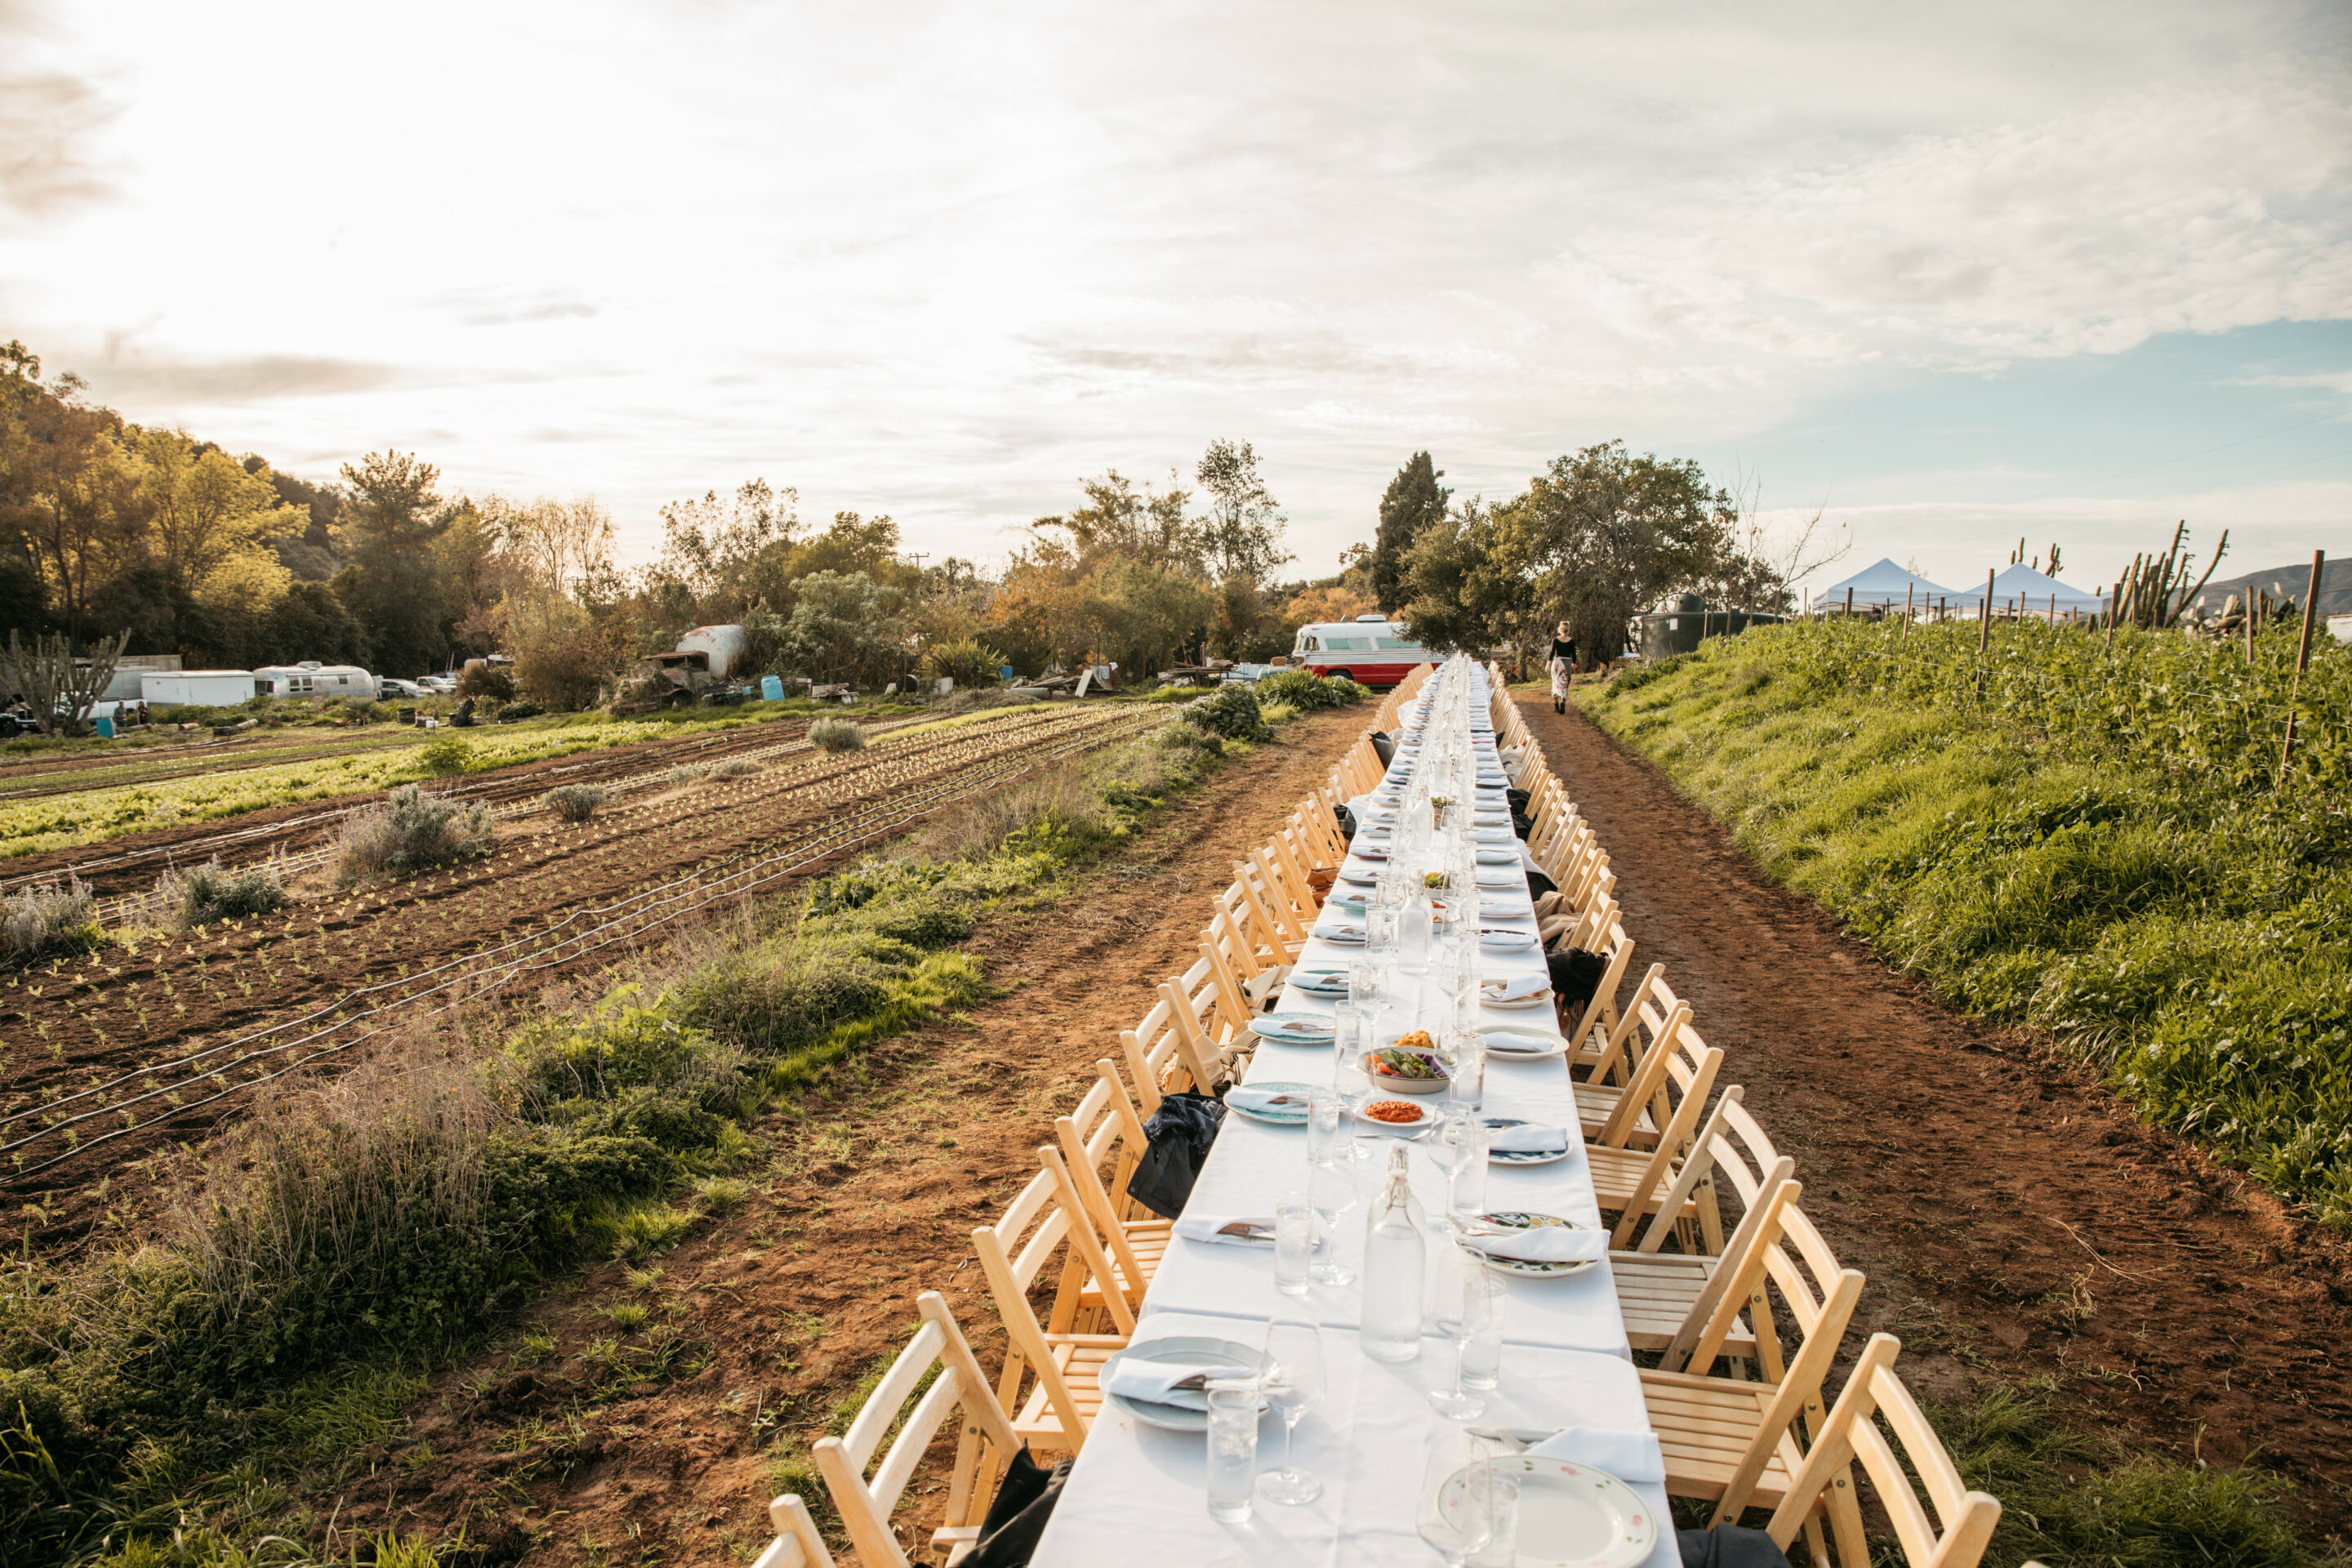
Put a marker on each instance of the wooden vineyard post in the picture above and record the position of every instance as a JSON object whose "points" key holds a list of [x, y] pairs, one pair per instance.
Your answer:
{"points": [[1849, 604], [1984, 634], [2302, 658], [1908, 589]]}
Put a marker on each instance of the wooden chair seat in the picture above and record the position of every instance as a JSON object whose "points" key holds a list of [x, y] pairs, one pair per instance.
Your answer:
{"points": [[1078, 1358], [1596, 1102], [1655, 1294], [1625, 1178], [1707, 1426], [1147, 1242]]}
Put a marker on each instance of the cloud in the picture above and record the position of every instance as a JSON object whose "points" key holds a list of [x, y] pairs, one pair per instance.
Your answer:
{"points": [[503, 308], [48, 120], [155, 377]]}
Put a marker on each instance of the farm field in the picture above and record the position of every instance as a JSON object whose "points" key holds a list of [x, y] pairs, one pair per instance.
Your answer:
{"points": [[146, 1045]]}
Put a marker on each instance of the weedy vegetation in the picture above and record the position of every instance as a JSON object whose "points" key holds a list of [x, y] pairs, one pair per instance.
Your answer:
{"points": [[203, 894], [836, 735], [575, 803], [410, 830], [48, 921]]}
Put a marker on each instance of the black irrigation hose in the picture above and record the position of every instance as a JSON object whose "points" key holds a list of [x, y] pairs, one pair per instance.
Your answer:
{"points": [[901, 813]]}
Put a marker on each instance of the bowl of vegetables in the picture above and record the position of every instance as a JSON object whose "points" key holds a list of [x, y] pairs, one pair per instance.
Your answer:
{"points": [[1409, 1067]]}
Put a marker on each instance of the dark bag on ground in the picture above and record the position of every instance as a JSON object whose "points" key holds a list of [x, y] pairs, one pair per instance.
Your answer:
{"points": [[1016, 1518], [1347, 821], [1728, 1546], [1384, 746], [1177, 1139], [1576, 975]]}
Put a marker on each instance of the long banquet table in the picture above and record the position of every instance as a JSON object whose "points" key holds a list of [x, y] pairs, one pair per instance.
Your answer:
{"points": [[1138, 1490]]}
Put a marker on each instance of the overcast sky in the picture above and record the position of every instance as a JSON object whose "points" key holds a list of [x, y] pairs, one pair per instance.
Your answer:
{"points": [[1961, 274]]}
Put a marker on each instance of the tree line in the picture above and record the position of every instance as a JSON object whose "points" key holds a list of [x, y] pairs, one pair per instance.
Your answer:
{"points": [[116, 529]]}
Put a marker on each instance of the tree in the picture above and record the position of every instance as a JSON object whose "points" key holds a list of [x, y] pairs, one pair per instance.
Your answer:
{"points": [[1242, 535], [727, 555], [394, 518], [59, 685], [1148, 526], [1412, 501], [1461, 590], [208, 513], [845, 626], [1604, 534]]}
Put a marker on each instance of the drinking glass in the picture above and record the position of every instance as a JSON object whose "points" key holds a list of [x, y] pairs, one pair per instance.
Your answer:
{"points": [[1328, 1134], [1294, 1242], [1232, 1449], [1331, 1190], [1451, 1146], [1367, 982], [1464, 1049], [1467, 1312], [1456, 1506], [1480, 1365], [1294, 1385], [1466, 1193], [1350, 1040]]}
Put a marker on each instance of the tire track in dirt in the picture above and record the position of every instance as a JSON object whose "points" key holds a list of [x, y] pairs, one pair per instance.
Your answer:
{"points": [[2011, 1214], [876, 1194]]}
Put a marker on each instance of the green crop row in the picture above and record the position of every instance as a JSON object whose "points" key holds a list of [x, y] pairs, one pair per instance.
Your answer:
{"points": [[2100, 845]]}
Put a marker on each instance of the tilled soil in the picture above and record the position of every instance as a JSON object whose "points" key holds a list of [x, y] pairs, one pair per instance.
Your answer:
{"points": [[872, 1197], [2013, 1215]]}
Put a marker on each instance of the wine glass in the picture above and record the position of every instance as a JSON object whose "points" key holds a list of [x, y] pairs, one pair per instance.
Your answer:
{"points": [[1468, 1300], [1451, 1146], [1331, 1190], [1293, 1385], [1458, 1501]]}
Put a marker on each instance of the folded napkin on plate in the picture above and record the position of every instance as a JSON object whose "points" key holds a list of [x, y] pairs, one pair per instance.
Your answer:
{"points": [[1504, 1043], [1297, 1025], [1211, 1226], [1543, 1244], [1267, 1100], [1628, 1455], [1346, 931], [1154, 1381], [1528, 1139], [1513, 987]]}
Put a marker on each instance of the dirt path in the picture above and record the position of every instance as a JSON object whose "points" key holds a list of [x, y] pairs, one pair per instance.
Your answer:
{"points": [[2011, 1215], [872, 1196]]}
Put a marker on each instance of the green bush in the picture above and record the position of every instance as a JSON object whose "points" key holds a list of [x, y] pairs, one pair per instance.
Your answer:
{"points": [[446, 757], [1308, 692], [210, 893], [967, 661], [1230, 711], [411, 830], [575, 803], [836, 735]]}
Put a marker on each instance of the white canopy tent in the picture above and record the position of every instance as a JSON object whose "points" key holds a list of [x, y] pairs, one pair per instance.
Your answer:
{"points": [[2022, 591], [1885, 584]]}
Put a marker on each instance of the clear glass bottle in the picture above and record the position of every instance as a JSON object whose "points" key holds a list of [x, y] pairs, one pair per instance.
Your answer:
{"points": [[1415, 930], [1395, 1255]]}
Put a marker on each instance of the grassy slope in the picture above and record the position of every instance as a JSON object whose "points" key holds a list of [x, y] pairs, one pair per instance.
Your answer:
{"points": [[2095, 849]]}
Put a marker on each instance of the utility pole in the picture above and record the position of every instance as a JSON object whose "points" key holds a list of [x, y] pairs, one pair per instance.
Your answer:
{"points": [[2302, 658]]}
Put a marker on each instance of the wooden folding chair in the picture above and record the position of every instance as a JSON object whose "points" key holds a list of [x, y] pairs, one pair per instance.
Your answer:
{"points": [[1211, 1052], [1635, 1183], [1058, 1410], [987, 1444], [1734, 1442], [1272, 927], [1960, 1525], [798, 1543], [1155, 1054], [1628, 1065], [1101, 1141], [1588, 1032]]}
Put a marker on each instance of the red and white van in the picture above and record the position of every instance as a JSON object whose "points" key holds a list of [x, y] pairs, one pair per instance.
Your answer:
{"points": [[1371, 650]]}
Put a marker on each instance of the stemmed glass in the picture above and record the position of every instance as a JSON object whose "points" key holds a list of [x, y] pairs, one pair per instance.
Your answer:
{"points": [[1331, 1190], [1468, 1302], [1457, 1519], [1451, 1147], [1293, 1385]]}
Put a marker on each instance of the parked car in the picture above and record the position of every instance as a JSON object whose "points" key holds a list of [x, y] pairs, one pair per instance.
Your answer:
{"points": [[1250, 674], [443, 685], [388, 689]]}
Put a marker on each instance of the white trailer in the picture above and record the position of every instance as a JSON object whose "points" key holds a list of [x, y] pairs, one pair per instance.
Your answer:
{"points": [[312, 679], [196, 687]]}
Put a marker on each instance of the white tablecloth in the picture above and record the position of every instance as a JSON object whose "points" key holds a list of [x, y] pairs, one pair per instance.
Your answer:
{"points": [[1566, 1359]]}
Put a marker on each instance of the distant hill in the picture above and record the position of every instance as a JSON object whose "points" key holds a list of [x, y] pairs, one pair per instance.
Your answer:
{"points": [[2288, 582]]}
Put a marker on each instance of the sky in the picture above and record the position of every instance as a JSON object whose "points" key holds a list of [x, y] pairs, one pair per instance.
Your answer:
{"points": [[1949, 274]]}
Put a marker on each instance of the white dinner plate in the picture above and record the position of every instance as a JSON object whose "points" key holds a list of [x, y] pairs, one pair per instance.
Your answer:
{"points": [[1522, 1219], [1175, 1417], [1295, 1029], [1517, 1003], [1519, 1035], [1571, 1515], [1281, 1115], [1519, 1157], [1500, 939], [1431, 1115]]}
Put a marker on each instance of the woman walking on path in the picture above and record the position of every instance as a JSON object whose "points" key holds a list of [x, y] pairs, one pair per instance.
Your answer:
{"points": [[1562, 659]]}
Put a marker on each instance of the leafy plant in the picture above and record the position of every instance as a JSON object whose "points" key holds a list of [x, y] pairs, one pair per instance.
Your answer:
{"points": [[47, 919], [447, 757], [203, 894], [411, 830], [966, 660], [1231, 712], [1308, 692], [836, 735]]}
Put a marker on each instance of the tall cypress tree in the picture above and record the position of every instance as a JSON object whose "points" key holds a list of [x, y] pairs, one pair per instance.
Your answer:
{"points": [[1413, 502]]}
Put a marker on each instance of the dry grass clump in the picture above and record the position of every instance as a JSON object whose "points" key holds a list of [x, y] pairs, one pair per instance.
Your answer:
{"points": [[411, 830], [203, 894], [735, 768], [575, 803], [836, 735], [48, 920]]}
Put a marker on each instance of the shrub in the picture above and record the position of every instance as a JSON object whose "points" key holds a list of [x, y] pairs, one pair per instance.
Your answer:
{"points": [[736, 767], [411, 830], [574, 803], [836, 735], [514, 710], [1277, 713], [967, 661], [478, 679], [1230, 711], [48, 920], [447, 757], [213, 893], [1309, 693]]}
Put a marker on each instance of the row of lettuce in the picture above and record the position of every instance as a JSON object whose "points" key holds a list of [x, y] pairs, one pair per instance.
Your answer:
{"points": [[2104, 843], [344, 1239]]}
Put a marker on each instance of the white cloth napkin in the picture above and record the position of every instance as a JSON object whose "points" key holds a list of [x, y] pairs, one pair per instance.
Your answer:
{"points": [[1513, 987], [1544, 1244], [1209, 1227], [1510, 1043], [1263, 1099], [1151, 1381], [1628, 1455], [1528, 1139]]}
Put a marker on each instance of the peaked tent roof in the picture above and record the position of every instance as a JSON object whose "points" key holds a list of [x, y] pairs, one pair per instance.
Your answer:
{"points": [[1885, 584], [2021, 581]]}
